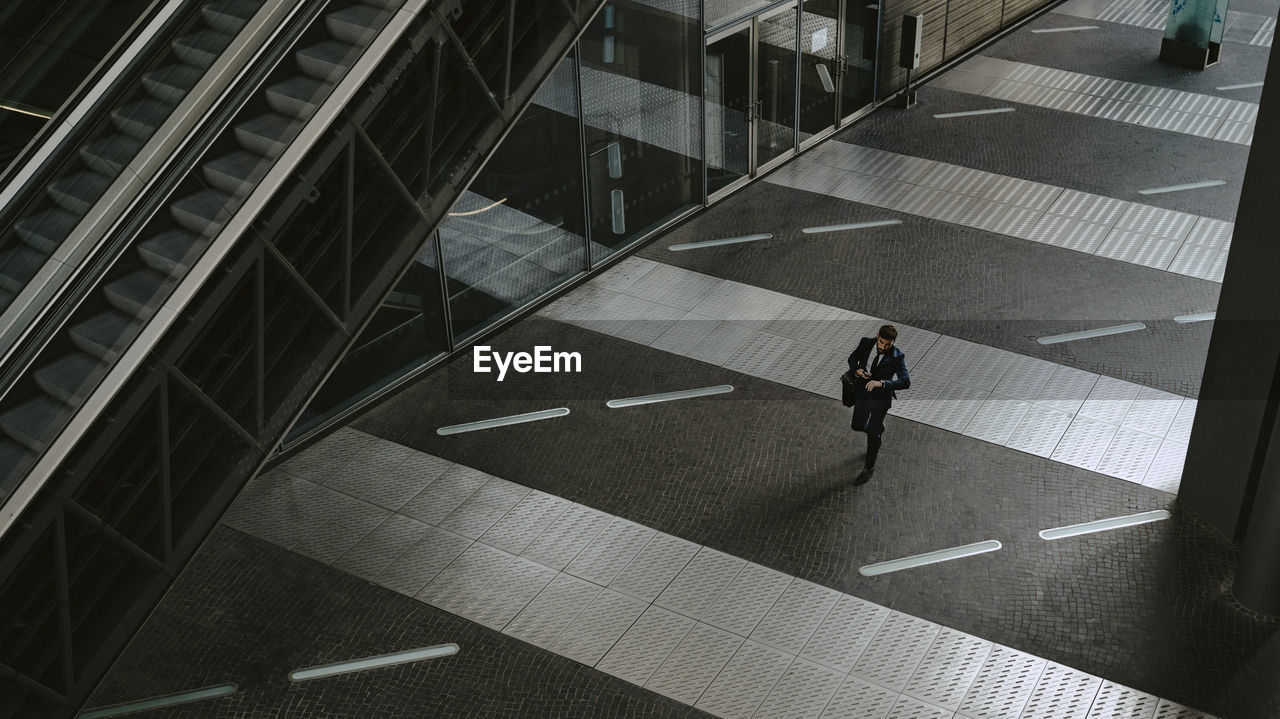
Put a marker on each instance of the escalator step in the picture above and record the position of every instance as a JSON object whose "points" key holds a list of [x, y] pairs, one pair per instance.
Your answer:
{"points": [[237, 172], [112, 153], [298, 97], [204, 212], [78, 192], [171, 83], [137, 293], [385, 4], [141, 118], [45, 231], [267, 134], [35, 422], [15, 460], [18, 264], [328, 60], [105, 334], [71, 377], [202, 47], [229, 15], [171, 252], [358, 24]]}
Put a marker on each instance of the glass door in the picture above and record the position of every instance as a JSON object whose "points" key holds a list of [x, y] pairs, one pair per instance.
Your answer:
{"points": [[775, 116], [729, 105], [751, 98], [820, 63], [861, 25]]}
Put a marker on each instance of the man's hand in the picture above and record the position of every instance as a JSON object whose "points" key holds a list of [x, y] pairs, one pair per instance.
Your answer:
{"points": [[861, 373], [874, 384]]}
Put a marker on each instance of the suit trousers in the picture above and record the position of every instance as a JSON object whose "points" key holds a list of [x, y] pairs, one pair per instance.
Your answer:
{"points": [[871, 421]]}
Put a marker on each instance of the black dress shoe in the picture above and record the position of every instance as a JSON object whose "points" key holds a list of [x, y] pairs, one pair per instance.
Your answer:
{"points": [[866, 475]]}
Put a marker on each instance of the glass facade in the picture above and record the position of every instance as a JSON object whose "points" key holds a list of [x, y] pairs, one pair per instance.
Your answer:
{"points": [[610, 150]]}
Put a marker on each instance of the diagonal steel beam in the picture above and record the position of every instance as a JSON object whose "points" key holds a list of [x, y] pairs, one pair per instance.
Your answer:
{"points": [[471, 65]]}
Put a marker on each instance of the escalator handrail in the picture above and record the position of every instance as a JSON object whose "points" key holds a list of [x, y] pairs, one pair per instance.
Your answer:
{"points": [[21, 320], [133, 356], [98, 88]]}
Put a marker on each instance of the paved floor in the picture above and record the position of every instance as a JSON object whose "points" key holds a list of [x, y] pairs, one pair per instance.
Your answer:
{"points": [[759, 477]]}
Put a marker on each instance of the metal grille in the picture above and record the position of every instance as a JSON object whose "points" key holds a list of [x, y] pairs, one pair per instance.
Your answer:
{"points": [[948, 668], [896, 650], [1003, 685]]}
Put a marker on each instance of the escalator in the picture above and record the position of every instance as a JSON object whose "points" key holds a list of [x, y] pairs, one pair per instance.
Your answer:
{"points": [[195, 332]]}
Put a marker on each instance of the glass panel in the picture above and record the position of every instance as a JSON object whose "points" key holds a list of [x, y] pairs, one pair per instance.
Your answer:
{"points": [[519, 231], [728, 107], [641, 90], [721, 12], [776, 80], [819, 66], [861, 26], [1190, 22]]}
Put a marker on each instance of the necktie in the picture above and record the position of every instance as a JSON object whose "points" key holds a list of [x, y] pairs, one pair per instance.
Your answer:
{"points": [[875, 361]]}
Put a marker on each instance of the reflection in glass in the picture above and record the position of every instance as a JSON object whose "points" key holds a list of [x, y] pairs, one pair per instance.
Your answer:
{"points": [[728, 110], [861, 31], [721, 12], [641, 89], [819, 66], [519, 231], [776, 80]]}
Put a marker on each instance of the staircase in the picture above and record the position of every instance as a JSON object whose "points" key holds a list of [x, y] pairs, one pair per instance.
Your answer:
{"points": [[167, 383]]}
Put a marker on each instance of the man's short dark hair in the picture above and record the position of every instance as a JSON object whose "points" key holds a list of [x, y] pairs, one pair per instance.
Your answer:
{"points": [[888, 332]]}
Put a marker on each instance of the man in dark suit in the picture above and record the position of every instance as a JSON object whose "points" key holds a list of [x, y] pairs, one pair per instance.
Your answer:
{"points": [[884, 369]]}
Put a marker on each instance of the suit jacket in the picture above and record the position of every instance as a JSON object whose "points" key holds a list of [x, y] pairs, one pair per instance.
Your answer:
{"points": [[892, 370]]}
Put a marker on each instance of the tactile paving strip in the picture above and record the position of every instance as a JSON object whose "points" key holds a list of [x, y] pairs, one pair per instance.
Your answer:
{"points": [[1114, 701], [1061, 693], [860, 699], [802, 692], [760, 352], [555, 607], [896, 651], [520, 581], [566, 536], [745, 681], [1129, 455], [911, 708], [593, 632], [379, 548], [529, 518], [645, 645], [610, 551], [446, 494], [747, 598], [700, 583], [1084, 442], [948, 669], [1040, 430], [1153, 411], [654, 567], [483, 509], [694, 663], [796, 616], [845, 634], [1109, 400], [996, 419], [1003, 685], [1165, 472]]}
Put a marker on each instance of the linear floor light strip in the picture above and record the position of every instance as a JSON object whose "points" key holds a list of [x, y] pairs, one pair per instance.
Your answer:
{"points": [[1202, 317], [1089, 334], [723, 241], [851, 226], [503, 421], [1180, 188], [168, 700], [1241, 86], [669, 396], [968, 113], [919, 560], [386, 660], [1070, 29], [1103, 525]]}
